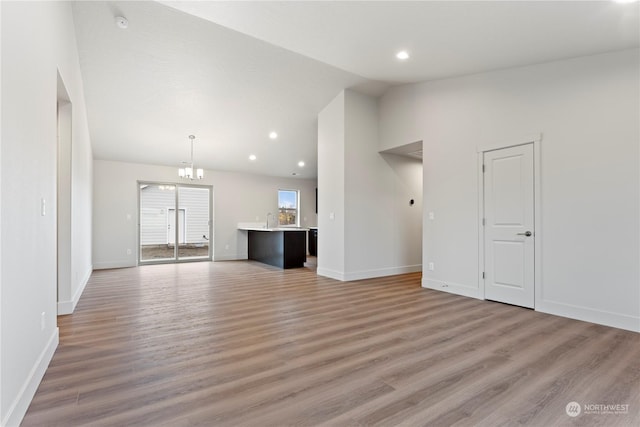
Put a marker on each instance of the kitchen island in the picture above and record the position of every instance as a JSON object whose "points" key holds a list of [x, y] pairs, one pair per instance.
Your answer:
{"points": [[280, 247]]}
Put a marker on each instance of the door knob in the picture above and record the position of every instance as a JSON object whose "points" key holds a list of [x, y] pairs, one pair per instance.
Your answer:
{"points": [[526, 233]]}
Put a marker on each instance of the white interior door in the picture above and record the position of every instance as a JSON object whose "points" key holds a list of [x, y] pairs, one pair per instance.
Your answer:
{"points": [[171, 220], [509, 238]]}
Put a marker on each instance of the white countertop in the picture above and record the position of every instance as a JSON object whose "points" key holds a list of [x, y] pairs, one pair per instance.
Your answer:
{"points": [[260, 226], [272, 229]]}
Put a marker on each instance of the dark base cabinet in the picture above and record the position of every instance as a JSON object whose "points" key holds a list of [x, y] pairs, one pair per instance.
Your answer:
{"points": [[313, 242], [284, 249]]}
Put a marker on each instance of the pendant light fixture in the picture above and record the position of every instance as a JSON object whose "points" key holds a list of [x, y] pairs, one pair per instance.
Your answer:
{"points": [[188, 172]]}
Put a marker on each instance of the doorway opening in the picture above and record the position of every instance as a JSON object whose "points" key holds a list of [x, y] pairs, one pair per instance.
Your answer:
{"points": [[406, 162], [63, 200], [160, 228]]}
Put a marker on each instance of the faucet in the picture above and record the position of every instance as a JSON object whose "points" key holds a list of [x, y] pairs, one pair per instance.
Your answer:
{"points": [[267, 224]]}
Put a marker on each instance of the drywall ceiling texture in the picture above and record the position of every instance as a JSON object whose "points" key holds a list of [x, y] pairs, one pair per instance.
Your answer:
{"points": [[171, 74], [444, 38], [231, 72]]}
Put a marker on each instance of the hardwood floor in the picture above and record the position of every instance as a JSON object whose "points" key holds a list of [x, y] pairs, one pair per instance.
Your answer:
{"points": [[241, 343]]}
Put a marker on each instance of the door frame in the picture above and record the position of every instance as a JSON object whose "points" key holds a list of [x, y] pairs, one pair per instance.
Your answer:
{"points": [[175, 259], [536, 140]]}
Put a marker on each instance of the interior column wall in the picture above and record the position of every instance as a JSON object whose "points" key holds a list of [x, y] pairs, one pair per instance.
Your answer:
{"points": [[382, 230], [375, 231], [331, 190]]}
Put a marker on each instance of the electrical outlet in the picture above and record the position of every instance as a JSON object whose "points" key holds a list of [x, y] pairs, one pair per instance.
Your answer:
{"points": [[226, 247], [128, 251], [42, 321], [431, 266], [431, 215]]}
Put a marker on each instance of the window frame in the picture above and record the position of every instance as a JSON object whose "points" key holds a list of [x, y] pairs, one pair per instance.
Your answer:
{"points": [[297, 223]]}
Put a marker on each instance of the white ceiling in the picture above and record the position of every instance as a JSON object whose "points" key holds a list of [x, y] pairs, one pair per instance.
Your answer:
{"points": [[231, 72]]}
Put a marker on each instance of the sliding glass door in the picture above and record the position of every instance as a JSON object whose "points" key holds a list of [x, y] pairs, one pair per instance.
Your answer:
{"points": [[193, 205], [175, 222]]}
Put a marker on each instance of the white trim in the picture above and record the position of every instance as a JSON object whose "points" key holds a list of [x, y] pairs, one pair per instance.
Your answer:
{"points": [[368, 274], [536, 140], [382, 272], [591, 315], [537, 220], [68, 307], [123, 263], [526, 139], [332, 274], [19, 407], [229, 257], [481, 281], [297, 224], [452, 288]]}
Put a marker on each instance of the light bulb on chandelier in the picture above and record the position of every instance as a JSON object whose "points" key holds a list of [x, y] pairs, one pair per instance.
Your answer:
{"points": [[187, 172]]}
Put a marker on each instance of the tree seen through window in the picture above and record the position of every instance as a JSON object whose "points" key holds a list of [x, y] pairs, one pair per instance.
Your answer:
{"points": [[288, 207]]}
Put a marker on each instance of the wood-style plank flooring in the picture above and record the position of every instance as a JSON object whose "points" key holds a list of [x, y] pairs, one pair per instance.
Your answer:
{"points": [[245, 344]]}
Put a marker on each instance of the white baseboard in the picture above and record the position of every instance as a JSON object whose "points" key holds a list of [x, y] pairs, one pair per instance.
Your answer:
{"points": [[19, 407], [616, 320], [606, 318], [381, 272], [228, 257], [368, 274], [332, 274], [124, 263], [451, 287], [68, 307]]}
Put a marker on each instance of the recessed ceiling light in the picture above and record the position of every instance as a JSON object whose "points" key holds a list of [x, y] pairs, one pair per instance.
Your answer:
{"points": [[122, 22], [301, 163], [402, 55], [273, 135], [252, 157]]}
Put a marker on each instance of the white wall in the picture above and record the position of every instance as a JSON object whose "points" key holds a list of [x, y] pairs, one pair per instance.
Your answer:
{"points": [[382, 231], [38, 41], [331, 210], [236, 198], [378, 232], [587, 110]]}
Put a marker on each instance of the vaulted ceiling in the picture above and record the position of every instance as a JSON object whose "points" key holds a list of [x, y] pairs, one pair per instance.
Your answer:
{"points": [[232, 72]]}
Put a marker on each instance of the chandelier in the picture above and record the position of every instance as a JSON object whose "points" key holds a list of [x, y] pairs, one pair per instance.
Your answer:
{"points": [[187, 172]]}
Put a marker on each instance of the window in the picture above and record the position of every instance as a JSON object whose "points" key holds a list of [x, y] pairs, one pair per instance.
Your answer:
{"points": [[288, 207]]}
